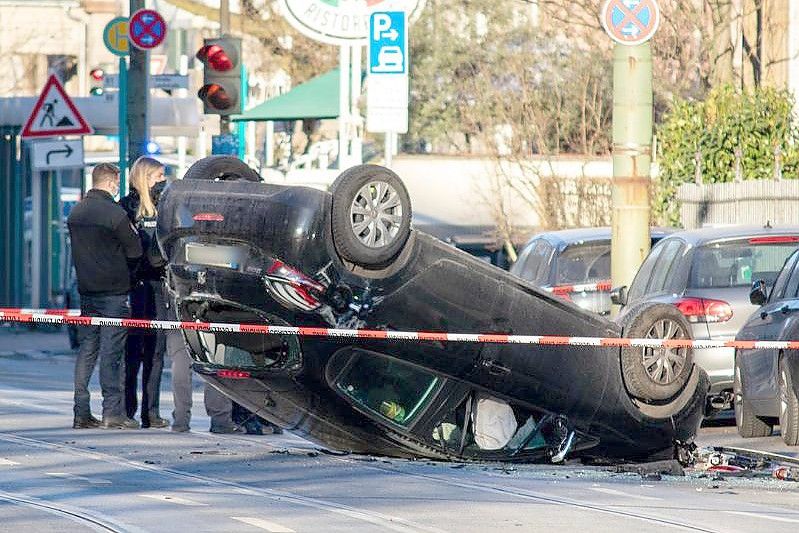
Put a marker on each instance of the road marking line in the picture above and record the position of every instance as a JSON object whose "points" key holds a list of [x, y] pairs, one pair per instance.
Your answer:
{"points": [[263, 524], [92, 481], [614, 492], [173, 499], [7, 462], [764, 516]]}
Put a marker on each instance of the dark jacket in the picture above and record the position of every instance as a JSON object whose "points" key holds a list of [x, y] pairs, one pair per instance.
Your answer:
{"points": [[103, 241], [151, 266]]}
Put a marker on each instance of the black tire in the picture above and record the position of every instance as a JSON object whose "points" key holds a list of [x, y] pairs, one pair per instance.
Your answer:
{"points": [[749, 425], [669, 368], [222, 168], [789, 406], [390, 223]]}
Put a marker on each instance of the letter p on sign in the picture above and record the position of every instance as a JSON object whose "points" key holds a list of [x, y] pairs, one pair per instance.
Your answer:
{"points": [[382, 22]]}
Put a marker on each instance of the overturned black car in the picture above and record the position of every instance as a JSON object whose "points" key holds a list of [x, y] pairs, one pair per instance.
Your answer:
{"points": [[241, 251]]}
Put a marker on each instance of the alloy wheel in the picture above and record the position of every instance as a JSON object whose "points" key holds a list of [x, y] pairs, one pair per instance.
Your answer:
{"points": [[376, 214], [663, 365]]}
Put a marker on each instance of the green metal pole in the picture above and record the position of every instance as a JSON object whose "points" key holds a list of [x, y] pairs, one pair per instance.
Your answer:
{"points": [[241, 127], [632, 159], [123, 125]]}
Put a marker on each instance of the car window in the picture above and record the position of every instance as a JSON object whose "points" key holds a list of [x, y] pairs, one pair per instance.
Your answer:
{"points": [[738, 263], [792, 285], [638, 286], [536, 263], [387, 388], [581, 263], [663, 268], [782, 279]]}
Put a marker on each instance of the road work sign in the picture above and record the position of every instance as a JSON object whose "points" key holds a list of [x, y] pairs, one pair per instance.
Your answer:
{"points": [[55, 155], [387, 84], [55, 114], [630, 22]]}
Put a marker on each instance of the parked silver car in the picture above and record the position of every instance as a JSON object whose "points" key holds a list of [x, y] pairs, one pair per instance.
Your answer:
{"points": [[706, 274], [558, 260]]}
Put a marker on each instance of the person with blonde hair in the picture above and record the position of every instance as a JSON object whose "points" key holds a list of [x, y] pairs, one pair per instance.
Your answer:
{"points": [[145, 348], [104, 244]]}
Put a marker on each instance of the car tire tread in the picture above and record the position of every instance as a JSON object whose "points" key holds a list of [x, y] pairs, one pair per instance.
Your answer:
{"points": [[749, 424], [636, 324], [222, 167], [789, 423]]}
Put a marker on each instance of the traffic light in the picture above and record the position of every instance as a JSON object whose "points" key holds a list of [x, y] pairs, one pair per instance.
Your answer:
{"points": [[221, 90], [97, 75]]}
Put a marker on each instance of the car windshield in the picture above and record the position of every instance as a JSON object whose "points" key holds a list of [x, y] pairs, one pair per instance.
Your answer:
{"points": [[738, 263], [581, 263]]}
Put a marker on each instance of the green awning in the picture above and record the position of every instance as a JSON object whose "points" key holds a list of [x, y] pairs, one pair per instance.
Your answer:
{"points": [[316, 98]]}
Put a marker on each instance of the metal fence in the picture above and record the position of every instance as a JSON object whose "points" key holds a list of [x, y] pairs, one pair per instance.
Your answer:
{"points": [[744, 202]]}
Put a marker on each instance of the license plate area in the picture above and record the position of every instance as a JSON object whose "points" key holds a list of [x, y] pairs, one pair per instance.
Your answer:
{"points": [[215, 255]]}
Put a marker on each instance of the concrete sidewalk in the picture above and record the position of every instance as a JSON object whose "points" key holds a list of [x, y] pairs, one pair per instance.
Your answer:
{"points": [[21, 340]]}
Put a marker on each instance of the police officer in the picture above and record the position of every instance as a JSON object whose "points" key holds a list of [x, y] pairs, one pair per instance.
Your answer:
{"points": [[103, 244], [145, 349]]}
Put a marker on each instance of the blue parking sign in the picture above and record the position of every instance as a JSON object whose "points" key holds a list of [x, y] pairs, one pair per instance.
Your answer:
{"points": [[388, 43]]}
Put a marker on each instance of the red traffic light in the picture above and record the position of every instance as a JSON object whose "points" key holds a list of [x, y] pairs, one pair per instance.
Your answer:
{"points": [[216, 97], [215, 57], [97, 74]]}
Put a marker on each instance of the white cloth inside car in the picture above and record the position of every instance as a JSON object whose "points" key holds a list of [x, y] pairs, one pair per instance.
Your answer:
{"points": [[494, 423]]}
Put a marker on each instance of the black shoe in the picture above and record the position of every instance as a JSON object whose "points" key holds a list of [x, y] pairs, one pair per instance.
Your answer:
{"points": [[226, 430], [157, 422], [85, 423], [119, 422]]}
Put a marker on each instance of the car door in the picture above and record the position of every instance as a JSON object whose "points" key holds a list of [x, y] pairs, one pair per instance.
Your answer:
{"points": [[777, 319]]}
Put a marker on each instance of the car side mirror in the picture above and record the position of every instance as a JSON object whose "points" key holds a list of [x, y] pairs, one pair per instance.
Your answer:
{"points": [[759, 293], [619, 295]]}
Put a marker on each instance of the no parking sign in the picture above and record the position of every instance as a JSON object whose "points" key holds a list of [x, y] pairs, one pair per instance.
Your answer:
{"points": [[631, 22]]}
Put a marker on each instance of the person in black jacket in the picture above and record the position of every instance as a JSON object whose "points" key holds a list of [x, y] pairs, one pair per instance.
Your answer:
{"points": [[145, 348], [103, 244]]}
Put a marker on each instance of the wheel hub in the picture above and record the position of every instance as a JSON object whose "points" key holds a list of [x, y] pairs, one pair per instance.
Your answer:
{"points": [[664, 365], [376, 214]]}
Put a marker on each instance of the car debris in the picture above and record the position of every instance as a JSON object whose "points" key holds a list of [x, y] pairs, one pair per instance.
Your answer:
{"points": [[739, 462]]}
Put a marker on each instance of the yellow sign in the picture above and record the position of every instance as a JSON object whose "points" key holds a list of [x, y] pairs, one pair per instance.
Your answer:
{"points": [[115, 36]]}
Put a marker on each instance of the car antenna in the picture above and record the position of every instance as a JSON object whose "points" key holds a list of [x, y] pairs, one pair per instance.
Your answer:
{"points": [[768, 224]]}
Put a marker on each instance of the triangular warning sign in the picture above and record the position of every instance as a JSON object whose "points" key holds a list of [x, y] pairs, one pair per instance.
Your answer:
{"points": [[55, 114]]}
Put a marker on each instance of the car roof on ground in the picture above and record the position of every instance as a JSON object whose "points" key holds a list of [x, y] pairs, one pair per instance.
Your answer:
{"points": [[565, 237], [700, 236]]}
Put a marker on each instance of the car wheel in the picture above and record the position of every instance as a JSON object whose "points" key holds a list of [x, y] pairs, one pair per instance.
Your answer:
{"points": [[221, 168], [656, 374], [748, 424], [789, 407], [371, 217]]}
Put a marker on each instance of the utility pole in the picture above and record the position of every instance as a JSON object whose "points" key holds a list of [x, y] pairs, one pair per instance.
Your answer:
{"points": [[631, 24], [138, 97], [224, 29], [632, 160]]}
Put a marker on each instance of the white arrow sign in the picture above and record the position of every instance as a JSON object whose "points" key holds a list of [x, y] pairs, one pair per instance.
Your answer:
{"points": [[55, 155]]}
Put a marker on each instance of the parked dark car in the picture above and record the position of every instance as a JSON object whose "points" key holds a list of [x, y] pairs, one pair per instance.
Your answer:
{"points": [[766, 383], [558, 260], [241, 251], [706, 274]]}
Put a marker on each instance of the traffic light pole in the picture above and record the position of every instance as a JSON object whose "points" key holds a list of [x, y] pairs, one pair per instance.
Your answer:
{"points": [[224, 29], [138, 98], [123, 125], [632, 159]]}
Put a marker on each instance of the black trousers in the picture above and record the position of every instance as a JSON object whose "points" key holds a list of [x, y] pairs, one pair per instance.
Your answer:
{"points": [[145, 350]]}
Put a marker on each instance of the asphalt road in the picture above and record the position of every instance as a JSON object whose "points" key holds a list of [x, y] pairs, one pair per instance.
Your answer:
{"points": [[55, 478]]}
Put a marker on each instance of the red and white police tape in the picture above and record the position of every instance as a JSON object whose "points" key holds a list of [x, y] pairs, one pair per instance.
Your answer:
{"points": [[65, 316], [600, 286]]}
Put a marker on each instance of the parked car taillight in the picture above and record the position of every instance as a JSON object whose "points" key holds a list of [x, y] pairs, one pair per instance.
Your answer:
{"points": [[704, 310]]}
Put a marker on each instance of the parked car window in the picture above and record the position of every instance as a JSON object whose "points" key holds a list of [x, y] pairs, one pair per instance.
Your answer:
{"points": [[536, 267], [792, 287], [583, 263], [737, 264], [638, 287], [389, 389], [662, 271], [782, 279]]}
